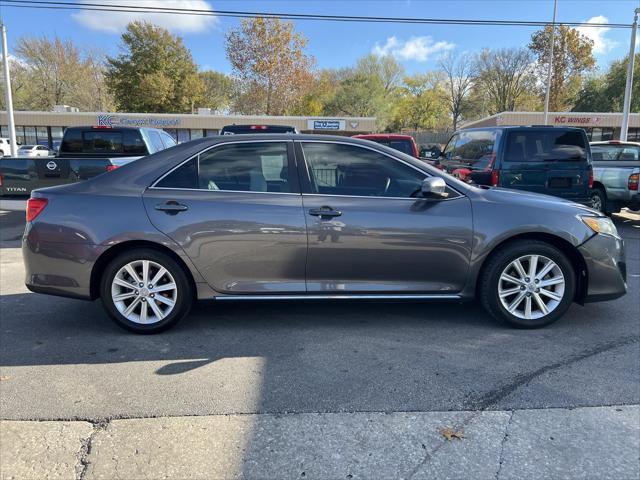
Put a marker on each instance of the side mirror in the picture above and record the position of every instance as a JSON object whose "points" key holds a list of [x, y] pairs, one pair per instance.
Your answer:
{"points": [[434, 187]]}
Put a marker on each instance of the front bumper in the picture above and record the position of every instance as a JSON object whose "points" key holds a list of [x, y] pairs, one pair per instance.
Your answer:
{"points": [[606, 268]]}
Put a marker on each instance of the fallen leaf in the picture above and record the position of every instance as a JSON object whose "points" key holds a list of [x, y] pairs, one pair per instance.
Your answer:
{"points": [[450, 434]]}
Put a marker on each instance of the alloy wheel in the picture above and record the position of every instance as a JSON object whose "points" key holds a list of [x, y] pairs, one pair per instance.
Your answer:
{"points": [[531, 287], [144, 291], [596, 202]]}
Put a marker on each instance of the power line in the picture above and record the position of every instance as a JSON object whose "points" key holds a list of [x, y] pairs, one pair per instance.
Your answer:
{"points": [[108, 7]]}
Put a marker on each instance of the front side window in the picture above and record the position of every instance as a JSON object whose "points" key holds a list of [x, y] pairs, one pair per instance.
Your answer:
{"points": [[241, 167], [337, 169], [545, 145]]}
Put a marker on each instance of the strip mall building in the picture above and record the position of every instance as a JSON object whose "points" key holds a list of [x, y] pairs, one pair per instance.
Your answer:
{"points": [[599, 126], [46, 128]]}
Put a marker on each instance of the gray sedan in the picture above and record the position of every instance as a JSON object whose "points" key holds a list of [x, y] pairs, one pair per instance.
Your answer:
{"points": [[261, 217]]}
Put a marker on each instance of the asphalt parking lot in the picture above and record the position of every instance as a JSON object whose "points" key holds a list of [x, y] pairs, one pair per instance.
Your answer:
{"points": [[64, 359]]}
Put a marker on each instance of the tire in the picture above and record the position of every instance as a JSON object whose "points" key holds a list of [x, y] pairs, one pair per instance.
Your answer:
{"points": [[493, 283], [599, 200], [168, 302]]}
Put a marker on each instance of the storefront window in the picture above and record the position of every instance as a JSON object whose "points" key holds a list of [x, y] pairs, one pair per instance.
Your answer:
{"points": [[183, 135], [20, 139], [633, 134], [42, 136], [211, 132], [196, 133], [56, 137], [600, 134]]}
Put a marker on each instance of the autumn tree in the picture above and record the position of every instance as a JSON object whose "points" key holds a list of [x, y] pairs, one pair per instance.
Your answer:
{"points": [[421, 105], [459, 75], [572, 58], [270, 64], [154, 72], [368, 89], [50, 72], [505, 76], [218, 90], [321, 93]]}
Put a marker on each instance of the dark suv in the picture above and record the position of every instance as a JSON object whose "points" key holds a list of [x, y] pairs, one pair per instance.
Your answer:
{"points": [[551, 160]]}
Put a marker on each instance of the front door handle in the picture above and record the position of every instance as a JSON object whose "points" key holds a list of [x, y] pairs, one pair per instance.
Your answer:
{"points": [[171, 207], [325, 212]]}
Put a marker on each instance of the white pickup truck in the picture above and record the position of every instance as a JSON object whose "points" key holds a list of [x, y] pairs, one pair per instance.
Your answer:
{"points": [[616, 174]]}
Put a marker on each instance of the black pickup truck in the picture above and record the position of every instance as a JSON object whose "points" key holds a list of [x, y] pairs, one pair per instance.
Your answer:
{"points": [[84, 153]]}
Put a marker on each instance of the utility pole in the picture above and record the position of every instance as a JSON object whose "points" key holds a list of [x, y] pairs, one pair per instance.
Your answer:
{"points": [[550, 69], [627, 89], [7, 94]]}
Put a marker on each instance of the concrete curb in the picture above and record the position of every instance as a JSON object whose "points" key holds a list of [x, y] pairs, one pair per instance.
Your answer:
{"points": [[590, 442]]}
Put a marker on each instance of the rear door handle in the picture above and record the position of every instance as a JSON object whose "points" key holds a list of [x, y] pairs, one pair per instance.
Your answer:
{"points": [[171, 207], [325, 212]]}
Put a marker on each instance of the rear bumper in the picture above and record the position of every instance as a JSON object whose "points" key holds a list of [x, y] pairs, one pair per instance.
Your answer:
{"points": [[62, 269], [606, 268]]}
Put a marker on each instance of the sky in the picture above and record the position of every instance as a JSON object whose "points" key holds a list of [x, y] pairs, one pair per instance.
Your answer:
{"points": [[340, 44]]}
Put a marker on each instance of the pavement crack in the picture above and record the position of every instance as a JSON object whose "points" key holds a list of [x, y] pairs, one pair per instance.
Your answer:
{"points": [[502, 444], [85, 449], [493, 397]]}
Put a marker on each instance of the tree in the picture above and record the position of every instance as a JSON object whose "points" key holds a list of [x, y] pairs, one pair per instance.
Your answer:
{"points": [[50, 72], [459, 74], [572, 58], [154, 73], [321, 93], [422, 105], [369, 89], [505, 76], [269, 62], [218, 90]]}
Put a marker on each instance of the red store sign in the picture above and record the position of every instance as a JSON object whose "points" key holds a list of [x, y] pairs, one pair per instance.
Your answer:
{"points": [[581, 121]]}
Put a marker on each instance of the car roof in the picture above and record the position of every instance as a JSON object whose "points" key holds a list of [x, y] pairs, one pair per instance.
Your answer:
{"points": [[617, 142], [519, 127], [383, 136]]}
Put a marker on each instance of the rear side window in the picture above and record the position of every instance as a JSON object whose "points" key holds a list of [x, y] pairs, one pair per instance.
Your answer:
{"points": [[473, 147], [250, 167], [71, 141], [615, 153], [545, 145]]}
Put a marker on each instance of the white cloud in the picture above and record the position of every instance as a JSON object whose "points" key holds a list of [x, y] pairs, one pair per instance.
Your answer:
{"points": [[416, 48], [117, 21], [601, 44]]}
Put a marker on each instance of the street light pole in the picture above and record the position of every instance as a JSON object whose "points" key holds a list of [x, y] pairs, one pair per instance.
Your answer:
{"points": [[7, 94], [627, 89], [550, 69]]}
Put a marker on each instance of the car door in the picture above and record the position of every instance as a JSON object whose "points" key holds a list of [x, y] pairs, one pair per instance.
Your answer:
{"points": [[552, 161], [368, 230], [236, 210]]}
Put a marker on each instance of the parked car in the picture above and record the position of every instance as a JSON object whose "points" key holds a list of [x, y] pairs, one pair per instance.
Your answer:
{"points": [[33, 151], [616, 172], [5, 147], [242, 129], [263, 217], [430, 152], [550, 160], [84, 153], [402, 143]]}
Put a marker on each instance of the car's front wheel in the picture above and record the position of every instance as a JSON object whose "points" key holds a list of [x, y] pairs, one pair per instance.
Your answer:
{"points": [[528, 284], [146, 291]]}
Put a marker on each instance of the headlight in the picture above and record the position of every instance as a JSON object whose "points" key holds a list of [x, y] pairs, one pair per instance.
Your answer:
{"points": [[602, 225]]}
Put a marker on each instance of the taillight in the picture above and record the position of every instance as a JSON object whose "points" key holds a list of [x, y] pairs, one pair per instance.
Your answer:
{"points": [[590, 178], [258, 127], [35, 206], [0, 179], [495, 178], [111, 168], [633, 181]]}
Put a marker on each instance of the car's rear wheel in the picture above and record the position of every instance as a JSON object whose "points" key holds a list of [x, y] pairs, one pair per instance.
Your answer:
{"points": [[599, 200], [146, 291], [528, 284]]}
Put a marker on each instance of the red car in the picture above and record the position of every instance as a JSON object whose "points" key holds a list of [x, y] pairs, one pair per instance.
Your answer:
{"points": [[403, 143]]}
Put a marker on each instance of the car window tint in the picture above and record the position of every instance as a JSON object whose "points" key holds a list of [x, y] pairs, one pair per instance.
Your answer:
{"points": [[132, 143], [168, 140], [185, 176], [545, 145], [450, 146], [156, 141], [614, 153], [71, 141], [245, 167], [473, 147], [337, 169], [101, 141], [403, 146]]}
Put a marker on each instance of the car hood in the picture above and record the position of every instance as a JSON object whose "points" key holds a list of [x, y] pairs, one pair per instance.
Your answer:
{"points": [[535, 200]]}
